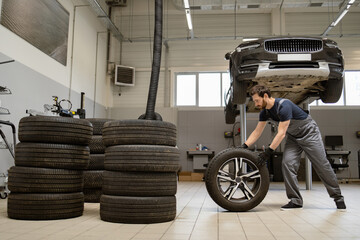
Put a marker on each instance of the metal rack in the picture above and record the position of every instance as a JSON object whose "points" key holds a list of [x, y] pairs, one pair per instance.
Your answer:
{"points": [[4, 91], [4, 111]]}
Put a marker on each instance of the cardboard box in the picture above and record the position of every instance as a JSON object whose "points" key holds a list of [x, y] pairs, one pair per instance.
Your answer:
{"points": [[197, 176], [185, 176], [190, 176]]}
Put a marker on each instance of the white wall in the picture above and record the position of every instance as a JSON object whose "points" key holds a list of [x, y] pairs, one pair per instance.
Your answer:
{"points": [[35, 77], [79, 73]]}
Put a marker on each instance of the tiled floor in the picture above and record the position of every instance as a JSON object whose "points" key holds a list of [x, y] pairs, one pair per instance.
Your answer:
{"points": [[198, 218]]}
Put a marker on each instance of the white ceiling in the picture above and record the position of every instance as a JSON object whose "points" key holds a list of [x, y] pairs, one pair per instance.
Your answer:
{"points": [[207, 5]]}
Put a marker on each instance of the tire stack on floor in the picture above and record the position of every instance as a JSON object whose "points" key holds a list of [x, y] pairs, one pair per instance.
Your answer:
{"points": [[47, 180], [141, 163], [93, 175]]}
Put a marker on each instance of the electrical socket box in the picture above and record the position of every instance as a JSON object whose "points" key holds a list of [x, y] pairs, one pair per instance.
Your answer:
{"points": [[228, 134]]}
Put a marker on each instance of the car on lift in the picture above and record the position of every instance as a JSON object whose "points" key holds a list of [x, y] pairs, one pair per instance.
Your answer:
{"points": [[291, 67]]}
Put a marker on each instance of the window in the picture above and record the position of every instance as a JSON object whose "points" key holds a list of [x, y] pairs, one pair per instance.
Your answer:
{"points": [[351, 91], [352, 88], [201, 89], [186, 90]]}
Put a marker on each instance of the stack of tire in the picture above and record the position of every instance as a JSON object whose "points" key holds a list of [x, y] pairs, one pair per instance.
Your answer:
{"points": [[47, 179], [93, 175], [140, 178]]}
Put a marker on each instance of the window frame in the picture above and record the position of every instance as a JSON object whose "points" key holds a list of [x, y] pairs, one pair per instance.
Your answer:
{"points": [[197, 95], [333, 106]]}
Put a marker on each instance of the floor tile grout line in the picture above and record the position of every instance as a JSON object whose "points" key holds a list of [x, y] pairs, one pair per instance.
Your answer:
{"points": [[198, 213], [242, 226], [276, 213], [193, 186]]}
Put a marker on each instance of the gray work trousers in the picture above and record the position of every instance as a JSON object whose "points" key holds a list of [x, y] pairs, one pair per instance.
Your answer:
{"points": [[304, 135]]}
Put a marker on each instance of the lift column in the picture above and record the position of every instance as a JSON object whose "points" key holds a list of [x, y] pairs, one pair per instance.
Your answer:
{"points": [[242, 123]]}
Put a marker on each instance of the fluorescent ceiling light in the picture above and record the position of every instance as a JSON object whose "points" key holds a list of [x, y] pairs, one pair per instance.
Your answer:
{"points": [[188, 18], [339, 18], [249, 39], [186, 4], [350, 2]]}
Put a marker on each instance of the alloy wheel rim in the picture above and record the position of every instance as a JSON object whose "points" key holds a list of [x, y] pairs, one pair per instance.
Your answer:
{"points": [[238, 180]]}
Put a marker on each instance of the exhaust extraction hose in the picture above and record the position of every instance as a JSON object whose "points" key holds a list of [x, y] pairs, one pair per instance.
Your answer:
{"points": [[156, 63]]}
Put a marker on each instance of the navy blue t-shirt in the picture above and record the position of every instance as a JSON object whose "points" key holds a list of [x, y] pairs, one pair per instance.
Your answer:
{"points": [[287, 111]]}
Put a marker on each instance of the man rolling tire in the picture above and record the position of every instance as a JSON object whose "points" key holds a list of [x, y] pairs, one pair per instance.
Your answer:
{"points": [[302, 134]]}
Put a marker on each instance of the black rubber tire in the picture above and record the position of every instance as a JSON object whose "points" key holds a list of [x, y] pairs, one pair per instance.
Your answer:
{"points": [[96, 162], [92, 195], [93, 178], [45, 206], [156, 117], [137, 210], [333, 90], [259, 187], [48, 129], [96, 145], [230, 113], [45, 155], [239, 91], [98, 124], [148, 158], [138, 132], [44, 180], [144, 184]]}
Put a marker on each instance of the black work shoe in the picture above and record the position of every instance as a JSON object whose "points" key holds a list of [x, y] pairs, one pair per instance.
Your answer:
{"points": [[341, 206], [290, 206]]}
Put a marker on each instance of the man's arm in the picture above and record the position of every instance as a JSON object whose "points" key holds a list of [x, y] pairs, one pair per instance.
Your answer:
{"points": [[283, 126], [254, 136]]}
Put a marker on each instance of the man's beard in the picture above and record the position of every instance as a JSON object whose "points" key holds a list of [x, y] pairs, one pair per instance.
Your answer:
{"points": [[263, 106]]}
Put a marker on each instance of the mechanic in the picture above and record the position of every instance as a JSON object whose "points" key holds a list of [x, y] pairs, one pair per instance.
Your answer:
{"points": [[302, 134]]}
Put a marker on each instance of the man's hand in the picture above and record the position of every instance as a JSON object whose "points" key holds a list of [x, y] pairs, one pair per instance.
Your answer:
{"points": [[265, 156], [244, 146]]}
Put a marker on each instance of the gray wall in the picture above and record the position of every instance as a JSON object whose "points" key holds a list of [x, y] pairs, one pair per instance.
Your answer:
{"points": [[341, 121], [207, 127], [31, 90]]}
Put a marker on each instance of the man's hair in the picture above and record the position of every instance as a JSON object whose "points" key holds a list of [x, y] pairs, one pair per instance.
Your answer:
{"points": [[260, 90]]}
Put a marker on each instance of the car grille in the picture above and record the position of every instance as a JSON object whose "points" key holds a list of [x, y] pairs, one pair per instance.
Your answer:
{"points": [[293, 45]]}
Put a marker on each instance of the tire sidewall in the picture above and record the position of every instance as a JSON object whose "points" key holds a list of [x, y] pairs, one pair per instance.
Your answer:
{"points": [[211, 183]]}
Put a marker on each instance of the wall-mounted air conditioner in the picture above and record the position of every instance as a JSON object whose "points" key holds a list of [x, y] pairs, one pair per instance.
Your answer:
{"points": [[124, 76]]}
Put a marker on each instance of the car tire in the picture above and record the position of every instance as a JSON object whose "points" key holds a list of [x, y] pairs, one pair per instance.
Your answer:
{"points": [[139, 132], [96, 145], [44, 180], [93, 178], [239, 91], [92, 195], [230, 113], [333, 91], [144, 184], [46, 129], [96, 162], [98, 124], [45, 206], [137, 210], [241, 191], [143, 158], [46, 155]]}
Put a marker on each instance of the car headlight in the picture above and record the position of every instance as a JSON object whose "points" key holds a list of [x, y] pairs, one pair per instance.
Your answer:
{"points": [[248, 47], [331, 44]]}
